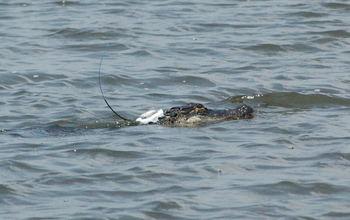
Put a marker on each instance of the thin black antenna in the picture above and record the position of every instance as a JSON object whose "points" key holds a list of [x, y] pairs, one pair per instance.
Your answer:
{"points": [[99, 82]]}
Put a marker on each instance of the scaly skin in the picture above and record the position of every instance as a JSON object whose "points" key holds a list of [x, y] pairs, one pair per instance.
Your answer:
{"points": [[195, 113]]}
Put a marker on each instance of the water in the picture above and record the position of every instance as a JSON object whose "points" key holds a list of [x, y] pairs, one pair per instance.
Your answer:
{"points": [[64, 155]]}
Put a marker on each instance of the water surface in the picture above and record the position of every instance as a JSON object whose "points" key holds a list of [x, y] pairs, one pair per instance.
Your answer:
{"points": [[65, 155]]}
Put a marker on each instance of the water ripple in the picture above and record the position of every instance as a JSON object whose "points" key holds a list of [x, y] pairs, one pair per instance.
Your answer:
{"points": [[65, 155]]}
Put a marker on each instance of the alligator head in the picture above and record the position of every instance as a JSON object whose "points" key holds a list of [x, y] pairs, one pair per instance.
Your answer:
{"points": [[195, 113]]}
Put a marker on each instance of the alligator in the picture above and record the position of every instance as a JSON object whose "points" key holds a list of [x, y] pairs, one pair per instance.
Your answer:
{"points": [[194, 114], [190, 115]]}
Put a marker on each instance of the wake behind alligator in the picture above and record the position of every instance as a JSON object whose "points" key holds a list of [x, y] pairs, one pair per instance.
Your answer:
{"points": [[190, 115]]}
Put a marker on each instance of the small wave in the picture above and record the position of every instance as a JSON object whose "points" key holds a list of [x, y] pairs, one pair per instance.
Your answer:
{"points": [[297, 100]]}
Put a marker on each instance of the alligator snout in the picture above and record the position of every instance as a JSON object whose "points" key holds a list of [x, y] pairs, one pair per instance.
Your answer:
{"points": [[244, 111]]}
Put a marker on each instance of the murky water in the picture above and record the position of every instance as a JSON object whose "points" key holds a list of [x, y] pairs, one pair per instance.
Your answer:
{"points": [[64, 156]]}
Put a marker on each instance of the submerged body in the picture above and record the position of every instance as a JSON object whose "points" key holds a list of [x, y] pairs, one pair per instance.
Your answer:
{"points": [[194, 113]]}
